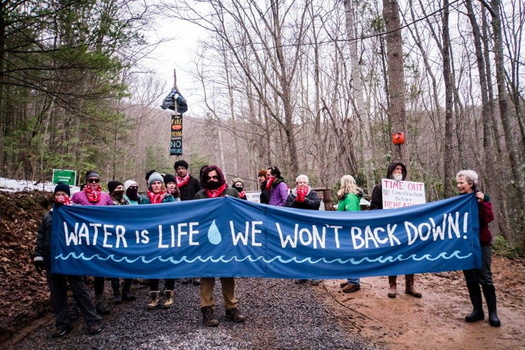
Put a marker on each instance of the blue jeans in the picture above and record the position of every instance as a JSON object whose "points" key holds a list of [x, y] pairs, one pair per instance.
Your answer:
{"points": [[353, 280]]}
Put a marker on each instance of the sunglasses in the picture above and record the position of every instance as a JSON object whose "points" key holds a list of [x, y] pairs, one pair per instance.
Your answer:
{"points": [[93, 180]]}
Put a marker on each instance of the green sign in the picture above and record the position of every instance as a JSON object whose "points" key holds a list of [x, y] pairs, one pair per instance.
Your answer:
{"points": [[68, 177]]}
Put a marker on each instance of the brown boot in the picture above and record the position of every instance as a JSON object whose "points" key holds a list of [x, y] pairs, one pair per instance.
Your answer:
{"points": [[168, 295], [409, 287], [234, 315], [393, 286], [208, 317]]}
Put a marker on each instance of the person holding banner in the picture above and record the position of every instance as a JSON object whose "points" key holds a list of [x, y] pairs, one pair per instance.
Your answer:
{"points": [[214, 185], [467, 181], [92, 194], [188, 185], [131, 189], [58, 283], [303, 197], [349, 198], [277, 187], [116, 192], [157, 194], [396, 171]]}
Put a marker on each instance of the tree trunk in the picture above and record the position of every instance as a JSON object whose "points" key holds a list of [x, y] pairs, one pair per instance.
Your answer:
{"points": [[396, 76]]}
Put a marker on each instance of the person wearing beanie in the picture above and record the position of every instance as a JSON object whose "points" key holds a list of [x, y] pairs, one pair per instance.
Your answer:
{"points": [[264, 198], [467, 181], [116, 192], [92, 194], [157, 194], [213, 186], [131, 192], [239, 186], [187, 184], [58, 284], [171, 186]]}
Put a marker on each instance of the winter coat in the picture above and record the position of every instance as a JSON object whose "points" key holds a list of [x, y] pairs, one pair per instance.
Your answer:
{"points": [[144, 199], [189, 190], [43, 239], [278, 193], [311, 200], [349, 203], [232, 192], [81, 198], [376, 200], [131, 201], [485, 217]]}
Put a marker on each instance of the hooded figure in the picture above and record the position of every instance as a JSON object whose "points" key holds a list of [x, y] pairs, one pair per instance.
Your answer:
{"points": [[239, 186], [376, 201]]}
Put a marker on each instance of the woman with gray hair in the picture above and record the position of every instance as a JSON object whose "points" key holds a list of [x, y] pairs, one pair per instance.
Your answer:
{"points": [[467, 181]]}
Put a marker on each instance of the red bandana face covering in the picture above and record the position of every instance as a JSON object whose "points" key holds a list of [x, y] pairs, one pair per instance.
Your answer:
{"points": [[65, 200], [93, 192], [183, 181], [156, 198], [215, 193]]}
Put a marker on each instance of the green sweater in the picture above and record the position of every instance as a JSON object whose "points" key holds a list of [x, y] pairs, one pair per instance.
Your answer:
{"points": [[349, 203]]}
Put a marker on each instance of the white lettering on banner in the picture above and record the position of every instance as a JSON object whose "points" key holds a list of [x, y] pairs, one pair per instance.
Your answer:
{"points": [[249, 230], [372, 235], [308, 236], [82, 233], [176, 235], [449, 228]]}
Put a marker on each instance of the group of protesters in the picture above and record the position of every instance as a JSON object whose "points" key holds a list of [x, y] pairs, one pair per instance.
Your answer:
{"points": [[182, 186]]}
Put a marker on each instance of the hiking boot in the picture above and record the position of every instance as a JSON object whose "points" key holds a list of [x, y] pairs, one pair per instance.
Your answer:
{"points": [[154, 295], [343, 284], [102, 308], [351, 288], [168, 294], [409, 287], [208, 317], [94, 329], [60, 332], [196, 281], [392, 282], [234, 315], [128, 296], [117, 298]]}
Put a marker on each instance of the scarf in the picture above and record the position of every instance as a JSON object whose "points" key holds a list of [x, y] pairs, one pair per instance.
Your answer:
{"points": [[156, 198], [242, 194], [93, 192], [269, 182], [63, 200], [215, 193], [183, 181]]}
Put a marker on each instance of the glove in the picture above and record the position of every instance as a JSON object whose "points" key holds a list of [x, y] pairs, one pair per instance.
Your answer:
{"points": [[39, 265], [301, 194]]}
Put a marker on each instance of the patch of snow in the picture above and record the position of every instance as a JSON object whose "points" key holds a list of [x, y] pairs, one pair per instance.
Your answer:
{"points": [[11, 185]]}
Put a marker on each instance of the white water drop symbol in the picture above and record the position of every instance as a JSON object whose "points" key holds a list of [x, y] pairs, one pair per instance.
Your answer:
{"points": [[214, 236]]}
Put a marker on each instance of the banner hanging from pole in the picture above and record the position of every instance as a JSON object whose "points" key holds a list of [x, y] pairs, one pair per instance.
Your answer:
{"points": [[176, 135]]}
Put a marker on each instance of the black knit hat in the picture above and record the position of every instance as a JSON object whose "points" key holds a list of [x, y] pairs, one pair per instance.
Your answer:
{"points": [[62, 187], [114, 184], [148, 174], [180, 163], [169, 178]]}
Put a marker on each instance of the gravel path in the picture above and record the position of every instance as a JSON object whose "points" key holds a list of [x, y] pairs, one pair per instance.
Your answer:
{"points": [[280, 315]]}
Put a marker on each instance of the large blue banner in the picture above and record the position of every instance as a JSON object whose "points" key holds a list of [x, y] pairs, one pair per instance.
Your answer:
{"points": [[233, 237]]}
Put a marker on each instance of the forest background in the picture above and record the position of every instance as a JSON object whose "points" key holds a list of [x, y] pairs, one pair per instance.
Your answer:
{"points": [[314, 87]]}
